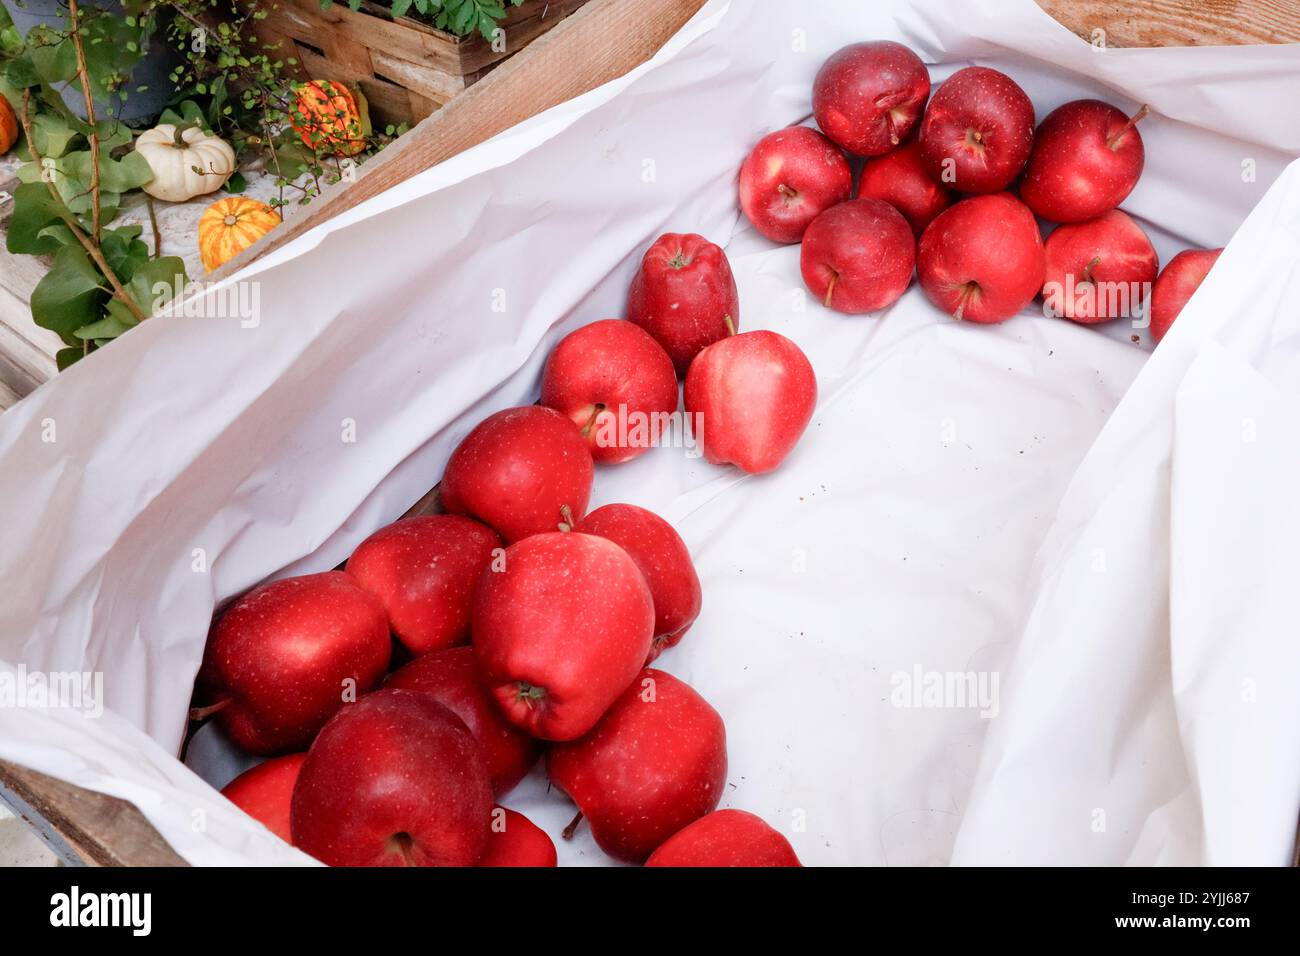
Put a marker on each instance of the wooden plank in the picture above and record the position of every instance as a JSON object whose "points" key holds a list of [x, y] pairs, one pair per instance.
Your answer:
{"points": [[102, 830], [1152, 23], [433, 84], [601, 41], [26, 350]]}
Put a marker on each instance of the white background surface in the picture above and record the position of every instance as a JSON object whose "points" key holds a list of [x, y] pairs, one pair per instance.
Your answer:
{"points": [[951, 507]]}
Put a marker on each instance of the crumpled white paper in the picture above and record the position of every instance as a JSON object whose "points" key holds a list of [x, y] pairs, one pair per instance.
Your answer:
{"points": [[964, 500]]}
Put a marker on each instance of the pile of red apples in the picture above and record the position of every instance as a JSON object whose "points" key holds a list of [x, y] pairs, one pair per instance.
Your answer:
{"points": [[402, 698], [953, 187]]}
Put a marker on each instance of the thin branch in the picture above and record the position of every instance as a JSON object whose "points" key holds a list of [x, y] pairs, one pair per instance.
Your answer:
{"points": [[83, 73], [153, 224]]}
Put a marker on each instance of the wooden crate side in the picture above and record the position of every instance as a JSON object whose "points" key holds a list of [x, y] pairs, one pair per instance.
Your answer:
{"points": [[102, 830], [432, 84], [1154, 23]]}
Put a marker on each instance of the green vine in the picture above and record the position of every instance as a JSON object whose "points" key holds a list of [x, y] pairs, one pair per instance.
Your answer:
{"points": [[102, 280]]}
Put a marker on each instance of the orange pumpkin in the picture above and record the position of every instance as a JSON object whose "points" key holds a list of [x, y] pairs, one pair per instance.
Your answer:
{"points": [[326, 116], [231, 225], [8, 126]]}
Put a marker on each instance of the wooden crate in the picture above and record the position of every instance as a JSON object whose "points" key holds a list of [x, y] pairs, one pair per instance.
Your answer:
{"points": [[601, 43], [405, 68]]}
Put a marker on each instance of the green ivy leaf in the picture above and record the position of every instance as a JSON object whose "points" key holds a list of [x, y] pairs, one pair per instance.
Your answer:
{"points": [[152, 286], [52, 134], [55, 61], [236, 184], [69, 356], [109, 327], [185, 113], [124, 251], [70, 295], [34, 211]]}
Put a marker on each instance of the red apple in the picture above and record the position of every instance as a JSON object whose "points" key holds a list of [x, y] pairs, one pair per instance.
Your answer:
{"points": [[685, 296], [393, 780], [423, 570], [285, 656], [749, 398], [977, 131], [868, 96], [656, 762], [982, 259], [1086, 159], [516, 841], [265, 791], [561, 631], [450, 676], [858, 256], [901, 179], [1098, 270], [725, 838], [1181, 277], [790, 177], [664, 561], [522, 471], [606, 373]]}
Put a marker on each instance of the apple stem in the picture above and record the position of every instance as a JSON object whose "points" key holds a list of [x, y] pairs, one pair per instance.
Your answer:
{"points": [[572, 828], [967, 290], [402, 843], [893, 130], [1087, 270], [203, 713], [786, 191], [731, 326], [830, 289], [566, 514], [1133, 120], [528, 693], [595, 413]]}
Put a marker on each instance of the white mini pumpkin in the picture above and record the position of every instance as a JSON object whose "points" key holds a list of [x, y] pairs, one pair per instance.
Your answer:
{"points": [[173, 159]]}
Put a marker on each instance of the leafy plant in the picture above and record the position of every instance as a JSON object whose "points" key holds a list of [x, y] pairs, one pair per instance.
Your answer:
{"points": [[102, 280], [242, 88], [461, 17]]}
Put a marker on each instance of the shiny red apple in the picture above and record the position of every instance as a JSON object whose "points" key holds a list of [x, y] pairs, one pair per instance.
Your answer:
{"points": [[749, 399], [858, 256], [1098, 270], [725, 838], [867, 97], [423, 571], [561, 631], [685, 296], [450, 676], [285, 656], [264, 792], [901, 179], [656, 762], [977, 131], [521, 471], [515, 841], [613, 380], [790, 177], [1179, 279], [664, 561], [395, 779], [982, 259], [1086, 159]]}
